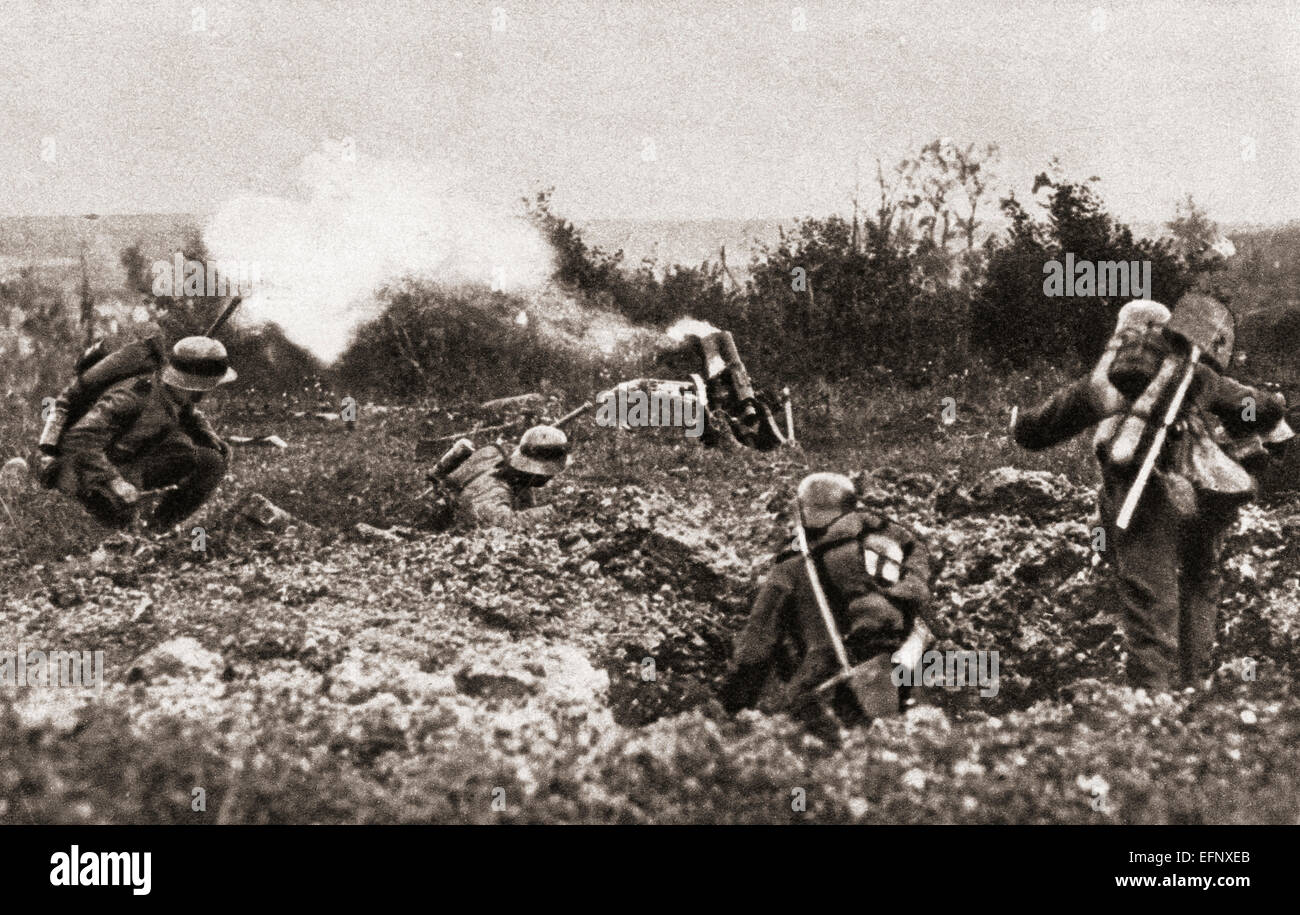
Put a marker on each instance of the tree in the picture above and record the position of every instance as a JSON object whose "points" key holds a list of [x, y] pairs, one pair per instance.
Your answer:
{"points": [[1195, 235], [1013, 317]]}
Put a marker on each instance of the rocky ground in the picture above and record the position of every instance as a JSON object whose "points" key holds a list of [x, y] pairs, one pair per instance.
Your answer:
{"points": [[343, 665]]}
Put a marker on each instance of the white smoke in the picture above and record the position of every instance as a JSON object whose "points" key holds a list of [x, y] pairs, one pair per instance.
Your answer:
{"points": [[361, 223], [690, 327]]}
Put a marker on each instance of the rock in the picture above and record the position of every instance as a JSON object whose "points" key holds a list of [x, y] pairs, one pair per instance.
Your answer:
{"points": [[560, 676], [373, 534], [58, 710], [573, 542], [14, 472], [179, 657], [262, 512], [490, 682], [359, 676], [1034, 494], [263, 441], [570, 678]]}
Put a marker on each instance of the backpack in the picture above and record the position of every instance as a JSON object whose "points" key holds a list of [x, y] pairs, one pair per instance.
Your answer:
{"points": [[95, 372]]}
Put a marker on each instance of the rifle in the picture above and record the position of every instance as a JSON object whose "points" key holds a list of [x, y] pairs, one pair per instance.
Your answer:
{"points": [[230, 304], [1157, 443], [559, 424]]}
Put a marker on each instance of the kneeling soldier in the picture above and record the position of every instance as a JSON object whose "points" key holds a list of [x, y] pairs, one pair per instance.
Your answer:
{"points": [[491, 489], [146, 433], [869, 575]]}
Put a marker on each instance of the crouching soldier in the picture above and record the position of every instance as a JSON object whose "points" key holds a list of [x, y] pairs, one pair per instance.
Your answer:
{"points": [[831, 614], [488, 488], [146, 433], [1164, 535]]}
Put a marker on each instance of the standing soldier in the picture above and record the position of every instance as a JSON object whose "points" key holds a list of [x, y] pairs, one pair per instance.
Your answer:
{"points": [[1163, 532], [491, 489], [871, 574], [146, 433]]}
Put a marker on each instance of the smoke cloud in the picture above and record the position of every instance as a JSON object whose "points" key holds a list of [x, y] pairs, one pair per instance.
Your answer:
{"points": [[689, 327], [360, 223]]}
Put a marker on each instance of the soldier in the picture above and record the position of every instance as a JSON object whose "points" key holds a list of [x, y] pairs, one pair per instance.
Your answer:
{"points": [[875, 576], [1166, 557], [146, 433], [491, 489]]}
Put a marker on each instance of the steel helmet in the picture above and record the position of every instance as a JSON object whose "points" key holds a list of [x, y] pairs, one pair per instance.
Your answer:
{"points": [[197, 364], [823, 497], [543, 451], [1141, 314]]}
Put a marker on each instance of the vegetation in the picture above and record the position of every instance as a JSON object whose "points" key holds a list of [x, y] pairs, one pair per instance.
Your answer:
{"points": [[334, 677]]}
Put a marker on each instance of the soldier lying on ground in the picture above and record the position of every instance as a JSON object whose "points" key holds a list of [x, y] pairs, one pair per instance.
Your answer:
{"points": [[487, 488], [1167, 560], [146, 433], [875, 575]]}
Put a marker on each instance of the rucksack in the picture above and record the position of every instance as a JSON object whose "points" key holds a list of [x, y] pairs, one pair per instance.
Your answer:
{"points": [[95, 372]]}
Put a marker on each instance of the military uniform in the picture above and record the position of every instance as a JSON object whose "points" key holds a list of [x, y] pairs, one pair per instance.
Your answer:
{"points": [[1167, 561], [135, 432], [785, 632], [485, 496]]}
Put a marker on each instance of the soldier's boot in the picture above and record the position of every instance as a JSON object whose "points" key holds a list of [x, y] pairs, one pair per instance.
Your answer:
{"points": [[106, 508], [823, 719], [873, 689]]}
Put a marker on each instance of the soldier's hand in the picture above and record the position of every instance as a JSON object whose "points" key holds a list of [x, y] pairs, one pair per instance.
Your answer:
{"points": [[124, 492], [1104, 396]]}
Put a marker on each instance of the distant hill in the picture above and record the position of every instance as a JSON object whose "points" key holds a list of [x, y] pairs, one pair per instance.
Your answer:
{"points": [[41, 238], [47, 239]]}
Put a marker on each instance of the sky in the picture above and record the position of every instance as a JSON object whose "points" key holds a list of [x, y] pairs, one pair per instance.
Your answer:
{"points": [[654, 110]]}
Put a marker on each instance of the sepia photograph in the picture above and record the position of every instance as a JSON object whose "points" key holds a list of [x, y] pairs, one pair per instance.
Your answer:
{"points": [[718, 413]]}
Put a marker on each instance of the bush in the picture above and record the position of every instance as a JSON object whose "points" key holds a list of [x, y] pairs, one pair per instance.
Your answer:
{"points": [[457, 344], [1015, 321]]}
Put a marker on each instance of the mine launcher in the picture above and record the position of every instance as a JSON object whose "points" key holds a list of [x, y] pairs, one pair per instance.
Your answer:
{"points": [[729, 389]]}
